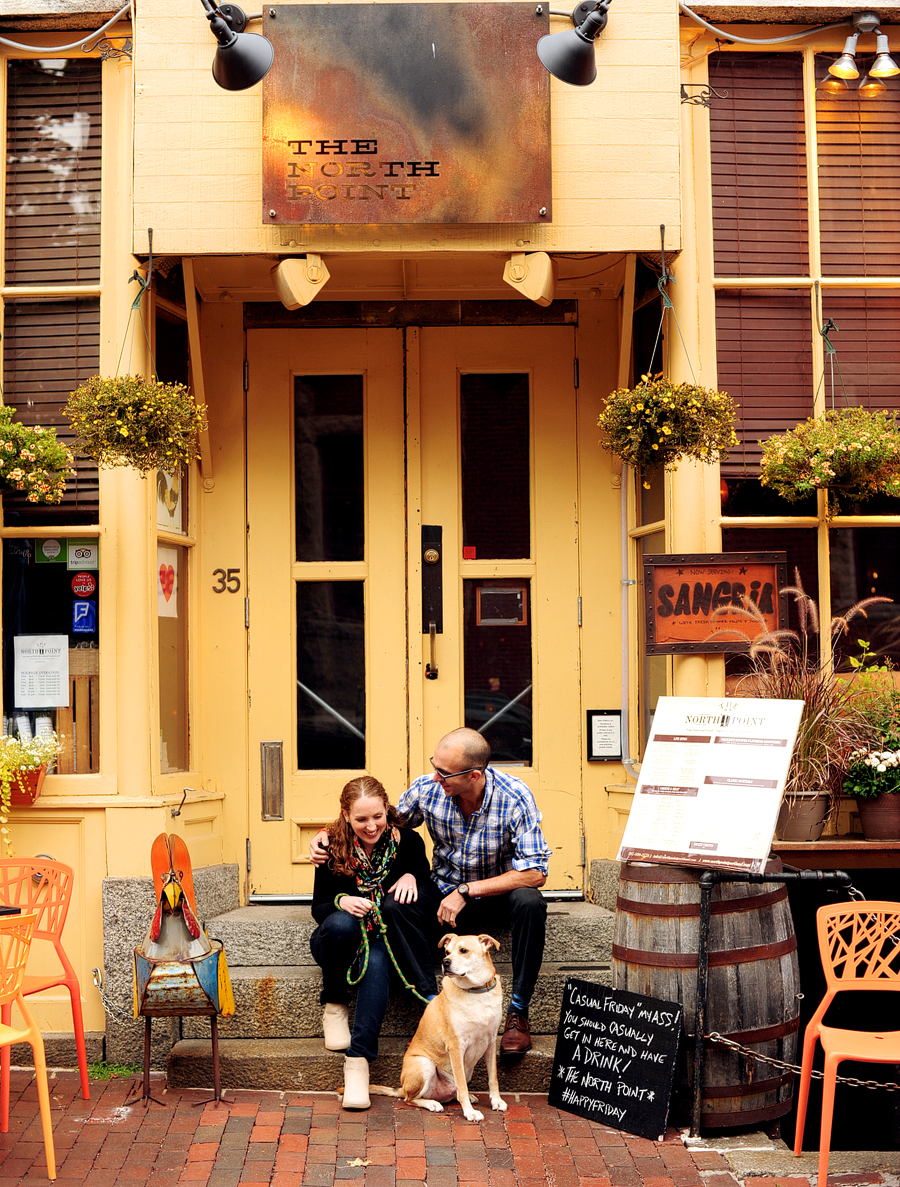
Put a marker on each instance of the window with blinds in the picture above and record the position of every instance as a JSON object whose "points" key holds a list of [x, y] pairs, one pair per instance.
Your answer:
{"points": [[758, 148]]}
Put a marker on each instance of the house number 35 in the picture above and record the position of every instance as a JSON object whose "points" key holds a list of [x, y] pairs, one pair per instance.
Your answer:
{"points": [[228, 579]]}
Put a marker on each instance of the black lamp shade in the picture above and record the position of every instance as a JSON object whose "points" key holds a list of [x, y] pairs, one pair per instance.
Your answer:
{"points": [[569, 56], [243, 62]]}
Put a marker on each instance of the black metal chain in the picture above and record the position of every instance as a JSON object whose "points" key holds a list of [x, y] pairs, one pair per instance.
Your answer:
{"points": [[853, 1081]]}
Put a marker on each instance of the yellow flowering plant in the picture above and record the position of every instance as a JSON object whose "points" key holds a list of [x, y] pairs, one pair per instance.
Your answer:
{"points": [[658, 422], [849, 452], [133, 421], [32, 460], [16, 757]]}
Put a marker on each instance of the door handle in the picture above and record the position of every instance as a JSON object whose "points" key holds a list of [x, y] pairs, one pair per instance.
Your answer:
{"points": [[432, 592], [431, 670]]}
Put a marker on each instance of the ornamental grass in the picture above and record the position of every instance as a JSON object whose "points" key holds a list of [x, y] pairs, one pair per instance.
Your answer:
{"points": [[132, 421], [659, 422]]}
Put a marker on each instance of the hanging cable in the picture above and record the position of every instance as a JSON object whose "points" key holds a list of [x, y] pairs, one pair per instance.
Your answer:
{"points": [[81, 44]]}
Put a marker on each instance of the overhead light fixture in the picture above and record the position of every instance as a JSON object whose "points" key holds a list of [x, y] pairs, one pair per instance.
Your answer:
{"points": [[834, 86], [870, 87], [569, 56], [532, 274], [300, 279], [845, 66], [884, 65], [242, 59]]}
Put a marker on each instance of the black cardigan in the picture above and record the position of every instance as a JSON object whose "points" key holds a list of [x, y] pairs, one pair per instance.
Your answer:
{"points": [[410, 858]]}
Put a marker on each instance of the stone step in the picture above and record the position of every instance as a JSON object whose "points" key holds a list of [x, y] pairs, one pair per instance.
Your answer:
{"points": [[270, 935], [282, 1001], [305, 1065]]}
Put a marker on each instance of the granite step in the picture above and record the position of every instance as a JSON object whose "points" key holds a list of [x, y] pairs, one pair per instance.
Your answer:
{"points": [[304, 1064], [282, 1001]]}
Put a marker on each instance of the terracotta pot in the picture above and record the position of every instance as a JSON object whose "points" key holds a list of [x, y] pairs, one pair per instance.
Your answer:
{"points": [[26, 786], [880, 817], [802, 818]]}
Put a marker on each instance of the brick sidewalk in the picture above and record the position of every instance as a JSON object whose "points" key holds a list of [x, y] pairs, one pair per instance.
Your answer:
{"points": [[274, 1139]]}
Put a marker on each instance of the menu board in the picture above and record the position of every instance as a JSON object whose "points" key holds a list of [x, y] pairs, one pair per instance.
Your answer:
{"points": [[615, 1057], [711, 782]]}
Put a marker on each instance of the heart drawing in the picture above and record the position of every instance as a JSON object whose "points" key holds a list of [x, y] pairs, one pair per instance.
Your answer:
{"points": [[167, 580]]}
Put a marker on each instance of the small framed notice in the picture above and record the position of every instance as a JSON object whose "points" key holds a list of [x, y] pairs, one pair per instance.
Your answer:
{"points": [[41, 671], [604, 734]]}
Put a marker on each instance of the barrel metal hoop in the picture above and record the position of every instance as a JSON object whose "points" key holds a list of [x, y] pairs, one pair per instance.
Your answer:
{"points": [[687, 910], [750, 1117], [723, 1091], [688, 960]]}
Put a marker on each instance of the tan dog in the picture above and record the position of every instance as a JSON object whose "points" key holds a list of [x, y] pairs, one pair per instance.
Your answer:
{"points": [[458, 1027]]}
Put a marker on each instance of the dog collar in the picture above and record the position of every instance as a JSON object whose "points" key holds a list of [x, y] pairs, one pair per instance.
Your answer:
{"points": [[484, 988]]}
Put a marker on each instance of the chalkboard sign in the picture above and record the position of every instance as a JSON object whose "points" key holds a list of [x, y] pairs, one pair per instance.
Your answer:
{"points": [[615, 1057]]}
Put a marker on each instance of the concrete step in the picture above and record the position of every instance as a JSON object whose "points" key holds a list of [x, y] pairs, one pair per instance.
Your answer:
{"points": [[271, 936], [282, 1001], [304, 1064]]}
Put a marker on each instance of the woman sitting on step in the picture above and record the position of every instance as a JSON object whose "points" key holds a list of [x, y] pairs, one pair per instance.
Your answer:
{"points": [[372, 863]]}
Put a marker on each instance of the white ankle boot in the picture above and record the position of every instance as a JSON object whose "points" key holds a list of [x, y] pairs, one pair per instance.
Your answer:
{"points": [[336, 1027], [356, 1082]]}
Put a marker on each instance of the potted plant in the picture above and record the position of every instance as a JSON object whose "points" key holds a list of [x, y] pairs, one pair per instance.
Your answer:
{"points": [[23, 765], [873, 773], [133, 421], [850, 453], [32, 460], [660, 422]]}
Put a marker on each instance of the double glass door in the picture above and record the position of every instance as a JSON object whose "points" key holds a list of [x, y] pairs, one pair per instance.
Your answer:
{"points": [[398, 479]]}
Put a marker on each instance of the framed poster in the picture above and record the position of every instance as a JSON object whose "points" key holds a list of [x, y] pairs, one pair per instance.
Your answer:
{"points": [[604, 734]]}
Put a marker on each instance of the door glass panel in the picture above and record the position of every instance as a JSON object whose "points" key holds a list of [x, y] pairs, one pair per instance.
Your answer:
{"points": [[331, 676], [497, 659], [865, 563], [328, 467], [496, 483], [172, 604]]}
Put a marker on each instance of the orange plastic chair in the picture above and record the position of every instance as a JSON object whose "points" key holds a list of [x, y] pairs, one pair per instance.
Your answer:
{"points": [[16, 934], [45, 887], [859, 944]]}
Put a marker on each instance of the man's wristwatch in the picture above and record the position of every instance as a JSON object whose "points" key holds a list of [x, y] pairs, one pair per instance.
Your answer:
{"points": [[463, 889]]}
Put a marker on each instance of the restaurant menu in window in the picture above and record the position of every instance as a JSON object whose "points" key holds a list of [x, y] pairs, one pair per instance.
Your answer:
{"points": [[711, 782], [41, 671]]}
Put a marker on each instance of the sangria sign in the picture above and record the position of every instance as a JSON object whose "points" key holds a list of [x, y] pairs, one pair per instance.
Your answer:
{"points": [[712, 602]]}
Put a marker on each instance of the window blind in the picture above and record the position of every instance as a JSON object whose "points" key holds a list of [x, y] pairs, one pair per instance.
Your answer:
{"points": [[868, 348], [758, 150], [49, 348], [53, 172]]}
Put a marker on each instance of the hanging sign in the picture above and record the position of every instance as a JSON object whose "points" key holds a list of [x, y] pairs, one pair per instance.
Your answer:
{"points": [[712, 602], [615, 1057], [406, 113]]}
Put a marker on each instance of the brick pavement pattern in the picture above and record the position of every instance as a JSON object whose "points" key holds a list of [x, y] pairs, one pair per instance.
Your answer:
{"points": [[280, 1139]]}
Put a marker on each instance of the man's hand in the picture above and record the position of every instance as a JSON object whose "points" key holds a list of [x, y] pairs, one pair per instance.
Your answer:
{"points": [[404, 889], [450, 907], [355, 906], [318, 847]]}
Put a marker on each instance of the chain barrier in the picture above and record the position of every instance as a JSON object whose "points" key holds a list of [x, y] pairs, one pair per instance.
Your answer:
{"points": [[853, 1081], [112, 1008]]}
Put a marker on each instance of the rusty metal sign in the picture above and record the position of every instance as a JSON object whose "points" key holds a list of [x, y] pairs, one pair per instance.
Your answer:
{"points": [[406, 113], [690, 597]]}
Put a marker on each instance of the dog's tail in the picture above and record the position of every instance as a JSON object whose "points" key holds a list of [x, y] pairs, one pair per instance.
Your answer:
{"points": [[383, 1090]]}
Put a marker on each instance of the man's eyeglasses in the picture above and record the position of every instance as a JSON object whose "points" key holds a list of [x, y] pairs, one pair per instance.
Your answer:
{"points": [[445, 775]]}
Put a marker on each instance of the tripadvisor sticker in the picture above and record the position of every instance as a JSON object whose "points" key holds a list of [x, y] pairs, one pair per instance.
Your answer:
{"points": [[49, 552]]}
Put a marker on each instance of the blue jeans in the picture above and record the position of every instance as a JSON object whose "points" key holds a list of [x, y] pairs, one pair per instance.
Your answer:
{"points": [[334, 944]]}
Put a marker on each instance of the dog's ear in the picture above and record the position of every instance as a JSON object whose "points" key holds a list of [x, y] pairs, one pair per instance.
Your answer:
{"points": [[487, 942], [444, 940]]}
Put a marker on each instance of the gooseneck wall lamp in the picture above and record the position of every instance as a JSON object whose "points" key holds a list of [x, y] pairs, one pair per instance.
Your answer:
{"points": [[243, 59]]}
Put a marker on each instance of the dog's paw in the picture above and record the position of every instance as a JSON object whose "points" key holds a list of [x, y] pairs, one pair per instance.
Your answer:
{"points": [[473, 1115], [498, 1104], [433, 1106]]}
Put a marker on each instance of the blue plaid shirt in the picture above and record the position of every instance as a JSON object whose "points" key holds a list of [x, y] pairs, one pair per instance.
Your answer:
{"points": [[504, 834]]}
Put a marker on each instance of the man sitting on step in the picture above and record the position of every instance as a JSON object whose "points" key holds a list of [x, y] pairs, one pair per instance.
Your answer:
{"points": [[490, 859]]}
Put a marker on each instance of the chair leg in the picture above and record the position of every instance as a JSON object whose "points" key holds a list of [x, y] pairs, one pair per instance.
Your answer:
{"points": [[78, 1021], [828, 1086], [40, 1071], [803, 1094], [5, 1018]]}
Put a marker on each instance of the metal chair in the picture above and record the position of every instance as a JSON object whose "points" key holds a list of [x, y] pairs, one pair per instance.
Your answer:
{"points": [[16, 934], [859, 944], [45, 887]]}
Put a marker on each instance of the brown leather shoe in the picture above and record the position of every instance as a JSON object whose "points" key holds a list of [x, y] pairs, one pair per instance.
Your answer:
{"points": [[516, 1038]]}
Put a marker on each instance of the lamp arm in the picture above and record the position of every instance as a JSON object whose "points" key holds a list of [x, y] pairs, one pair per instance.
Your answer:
{"points": [[756, 40], [79, 44]]}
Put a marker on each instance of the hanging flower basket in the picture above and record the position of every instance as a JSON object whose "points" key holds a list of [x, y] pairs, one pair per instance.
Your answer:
{"points": [[659, 422], [23, 765], [132, 421], [851, 453], [32, 460]]}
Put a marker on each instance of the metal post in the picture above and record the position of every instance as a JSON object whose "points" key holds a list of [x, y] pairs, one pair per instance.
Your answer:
{"points": [[217, 1083], [148, 1023]]}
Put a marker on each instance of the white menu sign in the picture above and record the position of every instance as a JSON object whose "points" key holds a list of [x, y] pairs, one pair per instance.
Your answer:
{"points": [[711, 782], [41, 671]]}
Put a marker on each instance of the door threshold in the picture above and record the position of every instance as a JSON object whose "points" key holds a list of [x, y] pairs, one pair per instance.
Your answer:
{"points": [[285, 900]]}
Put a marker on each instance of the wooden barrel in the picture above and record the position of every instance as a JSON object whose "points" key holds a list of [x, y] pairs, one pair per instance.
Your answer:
{"points": [[754, 983]]}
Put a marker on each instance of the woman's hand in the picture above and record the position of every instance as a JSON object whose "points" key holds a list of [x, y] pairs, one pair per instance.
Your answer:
{"points": [[404, 889], [355, 906]]}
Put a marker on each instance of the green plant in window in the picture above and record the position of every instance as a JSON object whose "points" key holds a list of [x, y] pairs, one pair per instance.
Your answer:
{"points": [[133, 421], [659, 422], [32, 460], [848, 452], [18, 757]]}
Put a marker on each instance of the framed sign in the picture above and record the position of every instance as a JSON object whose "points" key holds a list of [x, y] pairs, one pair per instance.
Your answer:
{"points": [[697, 603], [604, 734], [406, 113]]}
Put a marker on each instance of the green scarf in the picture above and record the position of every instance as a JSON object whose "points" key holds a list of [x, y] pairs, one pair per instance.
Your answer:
{"points": [[371, 870]]}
